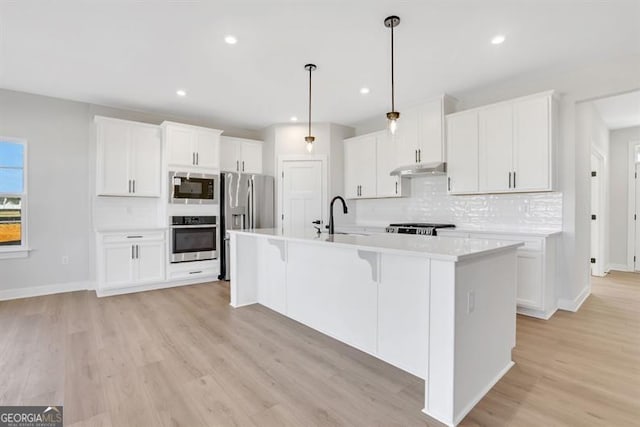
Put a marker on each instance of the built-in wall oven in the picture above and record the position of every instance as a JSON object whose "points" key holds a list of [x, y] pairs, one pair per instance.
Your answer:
{"points": [[193, 188], [193, 238]]}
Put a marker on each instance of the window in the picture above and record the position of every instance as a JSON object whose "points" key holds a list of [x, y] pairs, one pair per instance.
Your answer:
{"points": [[13, 195]]}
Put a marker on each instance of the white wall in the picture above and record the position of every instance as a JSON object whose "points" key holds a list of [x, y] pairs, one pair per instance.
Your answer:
{"points": [[619, 183], [607, 76], [591, 128], [61, 166], [429, 202]]}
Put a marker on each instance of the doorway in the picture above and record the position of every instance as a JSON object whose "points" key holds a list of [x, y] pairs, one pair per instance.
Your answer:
{"points": [[634, 202], [302, 195]]}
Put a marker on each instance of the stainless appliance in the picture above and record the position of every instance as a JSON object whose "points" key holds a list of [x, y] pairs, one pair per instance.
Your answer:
{"points": [[420, 169], [420, 228], [193, 238], [192, 188], [246, 202]]}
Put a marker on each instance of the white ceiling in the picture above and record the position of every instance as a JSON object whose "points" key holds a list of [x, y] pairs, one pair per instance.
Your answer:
{"points": [[621, 111], [136, 54]]}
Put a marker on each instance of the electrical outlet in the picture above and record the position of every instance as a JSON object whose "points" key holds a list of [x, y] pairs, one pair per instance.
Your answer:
{"points": [[471, 302], [65, 260]]}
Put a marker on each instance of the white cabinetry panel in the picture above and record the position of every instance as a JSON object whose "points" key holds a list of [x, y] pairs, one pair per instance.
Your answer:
{"points": [[403, 313], [532, 155], [240, 155], [496, 148], [462, 153]]}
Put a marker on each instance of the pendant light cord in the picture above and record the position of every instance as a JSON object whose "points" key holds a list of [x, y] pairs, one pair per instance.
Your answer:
{"points": [[393, 103], [310, 68]]}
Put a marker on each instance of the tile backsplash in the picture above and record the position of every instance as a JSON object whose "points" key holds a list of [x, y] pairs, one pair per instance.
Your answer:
{"points": [[429, 202]]}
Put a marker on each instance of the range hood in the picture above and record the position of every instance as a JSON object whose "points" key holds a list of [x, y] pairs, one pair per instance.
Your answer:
{"points": [[420, 169]]}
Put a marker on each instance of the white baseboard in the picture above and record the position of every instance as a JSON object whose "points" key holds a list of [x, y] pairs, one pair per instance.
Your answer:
{"points": [[539, 314], [620, 267], [575, 304], [154, 286], [36, 291]]}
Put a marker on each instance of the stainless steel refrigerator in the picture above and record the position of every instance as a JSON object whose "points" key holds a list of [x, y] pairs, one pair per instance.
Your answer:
{"points": [[246, 202]]}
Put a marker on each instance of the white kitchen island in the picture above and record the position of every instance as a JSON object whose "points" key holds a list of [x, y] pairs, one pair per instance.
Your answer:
{"points": [[443, 309]]}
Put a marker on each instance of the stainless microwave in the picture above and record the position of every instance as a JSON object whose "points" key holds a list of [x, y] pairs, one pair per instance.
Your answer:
{"points": [[192, 188]]}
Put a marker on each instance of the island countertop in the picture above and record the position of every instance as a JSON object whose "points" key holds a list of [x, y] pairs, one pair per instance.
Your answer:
{"points": [[434, 247]]}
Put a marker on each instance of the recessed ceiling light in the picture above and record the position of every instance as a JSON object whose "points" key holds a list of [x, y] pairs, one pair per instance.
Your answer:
{"points": [[230, 40], [181, 92], [499, 39], [293, 119], [364, 90]]}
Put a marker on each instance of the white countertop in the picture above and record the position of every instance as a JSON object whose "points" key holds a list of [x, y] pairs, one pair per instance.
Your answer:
{"points": [[441, 248], [506, 231]]}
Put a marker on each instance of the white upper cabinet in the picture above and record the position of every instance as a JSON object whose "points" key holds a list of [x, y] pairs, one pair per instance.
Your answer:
{"points": [[386, 151], [192, 147], [129, 158], [496, 148], [368, 161], [240, 155], [360, 167], [462, 153], [515, 146], [533, 130], [420, 134]]}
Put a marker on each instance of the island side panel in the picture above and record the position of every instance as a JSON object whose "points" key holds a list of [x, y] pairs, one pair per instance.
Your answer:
{"points": [[334, 290], [485, 307], [244, 269]]}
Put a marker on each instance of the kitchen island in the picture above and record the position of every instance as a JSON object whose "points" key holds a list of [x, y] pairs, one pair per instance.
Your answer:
{"points": [[443, 309]]}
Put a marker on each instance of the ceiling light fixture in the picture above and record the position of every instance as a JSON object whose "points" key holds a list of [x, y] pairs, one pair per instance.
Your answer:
{"points": [[393, 115], [230, 40], [309, 139], [364, 90], [181, 92], [499, 39], [293, 119]]}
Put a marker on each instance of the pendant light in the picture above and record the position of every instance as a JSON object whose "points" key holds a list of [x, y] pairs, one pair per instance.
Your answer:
{"points": [[309, 139], [393, 115]]}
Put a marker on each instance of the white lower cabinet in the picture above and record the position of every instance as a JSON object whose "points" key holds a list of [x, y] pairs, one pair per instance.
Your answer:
{"points": [[535, 293], [130, 259]]}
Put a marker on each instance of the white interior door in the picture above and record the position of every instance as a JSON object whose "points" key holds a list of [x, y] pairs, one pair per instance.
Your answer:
{"points": [[301, 195], [637, 230], [595, 210]]}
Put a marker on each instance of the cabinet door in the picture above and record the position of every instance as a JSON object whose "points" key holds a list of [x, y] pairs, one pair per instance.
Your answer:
{"points": [[146, 161], [207, 149], [180, 146], [532, 147], [367, 166], [113, 159], [496, 148], [351, 169], [386, 185], [462, 153], [251, 157], [406, 138], [430, 133], [229, 155], [530, 279], [150, 261], [117, 265]]}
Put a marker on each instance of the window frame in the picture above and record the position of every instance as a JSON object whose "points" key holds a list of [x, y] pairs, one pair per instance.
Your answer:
{"points": [[21, 251]]}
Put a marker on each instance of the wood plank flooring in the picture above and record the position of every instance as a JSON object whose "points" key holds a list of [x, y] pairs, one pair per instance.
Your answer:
{"points": [[183, 357]]}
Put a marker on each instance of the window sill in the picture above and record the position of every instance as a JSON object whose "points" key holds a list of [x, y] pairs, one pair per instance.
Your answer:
{"points": [[14, 253]]}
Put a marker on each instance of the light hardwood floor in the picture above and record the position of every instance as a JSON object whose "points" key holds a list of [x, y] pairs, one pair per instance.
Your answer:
{"points": [[182, 356]]}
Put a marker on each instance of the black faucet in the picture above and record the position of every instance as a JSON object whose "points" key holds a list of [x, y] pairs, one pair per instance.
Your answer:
{"points": [[344, 210]]}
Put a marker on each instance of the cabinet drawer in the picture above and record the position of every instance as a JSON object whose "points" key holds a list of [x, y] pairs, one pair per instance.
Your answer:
{"points": [[133, 236], [194, 272]]}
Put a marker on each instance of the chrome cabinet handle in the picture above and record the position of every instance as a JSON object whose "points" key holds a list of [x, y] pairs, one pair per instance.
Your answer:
{"points": [[129, 186], [509, 179], [514, 179], [419, 155], [415, 155], [396, 187], [134, 185], [237, 165], [197, 159], [449, 183], [243, 166], [137, 252], [133, 252], [195, 272]]}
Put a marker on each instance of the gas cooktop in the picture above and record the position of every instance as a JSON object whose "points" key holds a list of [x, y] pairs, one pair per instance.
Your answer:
{"points": [[421, 228]]}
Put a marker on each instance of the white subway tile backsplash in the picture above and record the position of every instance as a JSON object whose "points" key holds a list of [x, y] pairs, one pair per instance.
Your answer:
{"points": [[429, 202]]}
